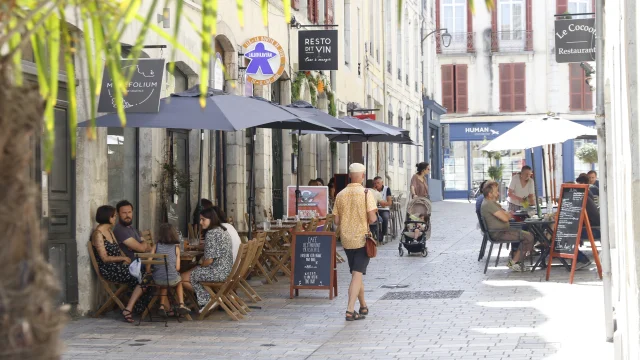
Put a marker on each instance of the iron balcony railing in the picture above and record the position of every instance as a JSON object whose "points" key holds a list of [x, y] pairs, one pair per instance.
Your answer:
{"points": [[512, 41], [461, 42], [399, 74]]}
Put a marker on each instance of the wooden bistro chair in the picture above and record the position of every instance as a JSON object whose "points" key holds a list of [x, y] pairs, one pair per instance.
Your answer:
{"points": [[243, 284], [279, 257], [114, 297], [237, 284], [492, 240], [149, 259], [262, 266], [219, 291]]}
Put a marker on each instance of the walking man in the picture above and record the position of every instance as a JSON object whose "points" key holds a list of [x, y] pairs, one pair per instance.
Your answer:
{"points": [[354, 215]]}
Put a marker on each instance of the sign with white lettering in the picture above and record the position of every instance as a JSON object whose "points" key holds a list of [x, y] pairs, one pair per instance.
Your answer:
{"points": [[575, 40], [313, 262], [266, 60], [318, 50], [143, 90]]}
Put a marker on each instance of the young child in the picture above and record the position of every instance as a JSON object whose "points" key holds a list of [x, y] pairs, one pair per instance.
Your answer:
{"points": [[419, 228], [168, 243]]}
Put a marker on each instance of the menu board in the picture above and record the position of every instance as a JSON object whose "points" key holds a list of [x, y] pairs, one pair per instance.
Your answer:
{"points": [[313, 261], [568, 225]]}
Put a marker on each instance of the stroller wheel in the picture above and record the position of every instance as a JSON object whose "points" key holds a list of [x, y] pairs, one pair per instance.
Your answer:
{"points": [[425, 252], [401, 252]]}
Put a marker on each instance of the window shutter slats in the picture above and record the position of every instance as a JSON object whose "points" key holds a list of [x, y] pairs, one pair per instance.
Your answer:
{"points": [[310, 10], [316, 11], [295, 4], [506, 98], [519, 87], [529, 34], [562, 6], [328, 12], [494, 28], [575, 87], [462, 96], [469, 28], [447, 87]]}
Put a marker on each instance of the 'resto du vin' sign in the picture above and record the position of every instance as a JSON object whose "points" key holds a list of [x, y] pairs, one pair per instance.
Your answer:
{"points": [[318, 49], [575, 40]]}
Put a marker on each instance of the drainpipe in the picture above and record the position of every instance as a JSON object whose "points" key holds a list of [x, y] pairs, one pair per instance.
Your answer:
{"points": [[602, 166]]}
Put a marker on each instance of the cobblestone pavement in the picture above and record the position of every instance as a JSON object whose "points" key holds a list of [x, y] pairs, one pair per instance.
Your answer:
{"points": [[501, 315]]}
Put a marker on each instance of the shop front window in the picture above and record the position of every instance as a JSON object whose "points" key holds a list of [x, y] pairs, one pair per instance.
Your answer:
{"points": [[512, 162], [580, 166], [480, 163], [456, 166], [122, 164], [434, 152]]}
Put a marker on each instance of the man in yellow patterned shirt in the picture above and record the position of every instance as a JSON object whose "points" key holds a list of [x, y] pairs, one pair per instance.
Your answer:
{"points": [[354, 215]]}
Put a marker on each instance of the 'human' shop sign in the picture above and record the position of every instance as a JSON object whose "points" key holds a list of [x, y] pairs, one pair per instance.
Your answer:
{"points": [[575, 40], [318, 50]]}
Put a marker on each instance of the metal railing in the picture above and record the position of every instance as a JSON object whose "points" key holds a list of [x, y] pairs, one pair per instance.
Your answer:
{"points": [[399, 74], [389, 66], [512, 41], [461, 42]]}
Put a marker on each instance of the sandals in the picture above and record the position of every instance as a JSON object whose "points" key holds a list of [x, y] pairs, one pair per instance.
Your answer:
{"points": [[127, 316], [353, 316], [364, 310], [162, 312], [183, 310]]}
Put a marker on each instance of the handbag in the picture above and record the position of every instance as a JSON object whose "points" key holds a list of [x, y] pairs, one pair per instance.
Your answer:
{"points": [[370, 243], [134, 270]]}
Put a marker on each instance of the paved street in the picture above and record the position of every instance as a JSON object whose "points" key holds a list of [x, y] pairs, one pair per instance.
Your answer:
{"points": [[501, 315]]}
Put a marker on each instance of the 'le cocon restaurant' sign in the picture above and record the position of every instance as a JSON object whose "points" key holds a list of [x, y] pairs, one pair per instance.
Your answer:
{"points": [[575, 40], [318, 50]]}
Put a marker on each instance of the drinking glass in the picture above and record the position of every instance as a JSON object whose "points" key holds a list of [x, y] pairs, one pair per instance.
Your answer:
{"points": [[279, 223], [266, 225]]}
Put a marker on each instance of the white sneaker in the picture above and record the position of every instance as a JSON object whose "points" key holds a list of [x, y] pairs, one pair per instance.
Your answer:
{"points": [[517, 267]]}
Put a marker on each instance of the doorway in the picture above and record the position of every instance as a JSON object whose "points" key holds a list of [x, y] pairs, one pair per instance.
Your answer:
{"points": [[58, 205], [276, 161]]}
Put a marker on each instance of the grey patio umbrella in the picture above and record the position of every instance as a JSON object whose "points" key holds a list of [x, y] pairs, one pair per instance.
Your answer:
{"points": [[223, 111], [373, 131], [340, 127]]}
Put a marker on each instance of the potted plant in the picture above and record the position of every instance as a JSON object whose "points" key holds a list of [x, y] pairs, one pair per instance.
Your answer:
{"points": [[588, 153]]}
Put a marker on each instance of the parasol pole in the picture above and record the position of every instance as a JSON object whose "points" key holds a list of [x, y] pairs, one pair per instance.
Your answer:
{"points": [[298, 169]]}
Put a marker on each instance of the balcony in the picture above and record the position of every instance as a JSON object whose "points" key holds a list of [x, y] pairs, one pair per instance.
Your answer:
{"points": [[512, 41], [461, 43], [399, 74]]}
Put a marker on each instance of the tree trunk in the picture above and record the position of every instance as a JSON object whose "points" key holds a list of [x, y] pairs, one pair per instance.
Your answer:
{"points": [[30, 317]]}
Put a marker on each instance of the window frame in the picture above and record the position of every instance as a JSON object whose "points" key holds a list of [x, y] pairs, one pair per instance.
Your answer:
{"points": [[512, 34]]}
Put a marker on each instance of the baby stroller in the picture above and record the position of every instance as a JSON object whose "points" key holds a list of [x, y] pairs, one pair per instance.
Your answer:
{"points": [[417, 227]]}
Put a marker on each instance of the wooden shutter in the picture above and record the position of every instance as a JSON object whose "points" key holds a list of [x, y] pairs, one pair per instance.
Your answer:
{"points": [[519, 87], [494, 28], [438, 47], [462, 96], [312, 11], [316, 11], [576, 95], [506, 89], [529, 34], [295, 4], [328, 12], [588, 96], [561, 6], [593, 7], [470, 45], [447, 88]]}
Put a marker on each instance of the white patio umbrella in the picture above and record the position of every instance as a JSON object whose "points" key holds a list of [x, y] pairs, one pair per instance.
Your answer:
{"points": [[538, 132]]}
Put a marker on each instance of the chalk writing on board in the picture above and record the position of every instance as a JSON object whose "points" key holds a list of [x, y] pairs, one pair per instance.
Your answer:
{"points": [[312, 260], [569, 220]]}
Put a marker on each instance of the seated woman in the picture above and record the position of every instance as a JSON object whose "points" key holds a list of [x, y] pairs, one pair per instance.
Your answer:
{"points": [[217, 261], [235, 238], [167, 244], [113, 264]]}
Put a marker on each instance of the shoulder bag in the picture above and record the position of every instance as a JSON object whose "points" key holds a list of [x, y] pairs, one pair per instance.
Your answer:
{"points": [[370, 243]]}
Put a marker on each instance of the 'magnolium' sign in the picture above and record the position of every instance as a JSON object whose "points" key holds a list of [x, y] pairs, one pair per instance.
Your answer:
{"points": [[575, 40]]}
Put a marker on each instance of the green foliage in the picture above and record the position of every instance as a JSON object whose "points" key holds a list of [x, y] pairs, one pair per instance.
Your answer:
{"points": [[495, 172], [296, 84], [588, 153], [333, 111], [173, 181]]}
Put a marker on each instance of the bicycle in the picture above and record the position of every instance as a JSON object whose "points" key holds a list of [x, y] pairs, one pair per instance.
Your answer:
{"points": [[475, 192]]}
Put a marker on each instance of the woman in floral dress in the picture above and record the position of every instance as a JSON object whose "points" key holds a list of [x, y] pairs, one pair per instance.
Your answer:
{"points": [[113, 264], [217, 261]]}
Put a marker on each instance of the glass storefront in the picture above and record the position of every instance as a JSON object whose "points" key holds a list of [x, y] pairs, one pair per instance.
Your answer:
{"points": [[480, 163], [122, 155], [512, 162], [456, 166]]}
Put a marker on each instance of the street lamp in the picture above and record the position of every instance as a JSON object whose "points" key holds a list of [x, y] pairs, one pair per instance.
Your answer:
{"points": [[446, 37]]}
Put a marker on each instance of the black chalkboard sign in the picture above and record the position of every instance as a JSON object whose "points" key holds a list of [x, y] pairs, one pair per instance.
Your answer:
{"points": [[569, 216], [570, 219], [313, 262]]}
